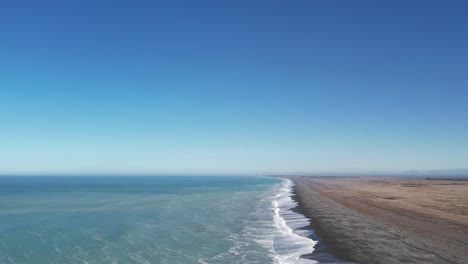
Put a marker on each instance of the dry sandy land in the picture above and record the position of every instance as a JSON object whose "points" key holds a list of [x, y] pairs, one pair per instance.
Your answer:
{"points": [[388, 220]]}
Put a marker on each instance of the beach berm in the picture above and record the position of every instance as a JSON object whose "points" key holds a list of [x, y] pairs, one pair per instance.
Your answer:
{"points": [[388, 220]]}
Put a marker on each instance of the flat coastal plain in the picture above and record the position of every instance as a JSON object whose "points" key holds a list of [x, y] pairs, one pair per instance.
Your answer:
{"points": [[388, 220]]}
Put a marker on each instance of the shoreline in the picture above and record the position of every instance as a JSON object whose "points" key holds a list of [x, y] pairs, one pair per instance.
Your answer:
{"points": [[314, 250], [322, 252], [351, 227], [325, 250]]}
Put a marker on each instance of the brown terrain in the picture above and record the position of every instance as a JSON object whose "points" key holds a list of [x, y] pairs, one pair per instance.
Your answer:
{"points": [[388, 220]]}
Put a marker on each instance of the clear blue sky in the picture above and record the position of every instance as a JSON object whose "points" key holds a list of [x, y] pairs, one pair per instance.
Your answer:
{"points": [[232, 87]]}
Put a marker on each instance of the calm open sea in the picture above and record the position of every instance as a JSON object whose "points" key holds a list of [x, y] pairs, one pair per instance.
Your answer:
{"points": [[150, 220]]}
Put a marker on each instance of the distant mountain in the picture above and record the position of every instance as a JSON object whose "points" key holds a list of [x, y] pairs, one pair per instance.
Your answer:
{"points": [[460, 172], [449, 172]]}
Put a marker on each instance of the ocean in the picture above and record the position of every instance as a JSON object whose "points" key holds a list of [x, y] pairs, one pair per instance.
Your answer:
{"points": [[150, 220]]}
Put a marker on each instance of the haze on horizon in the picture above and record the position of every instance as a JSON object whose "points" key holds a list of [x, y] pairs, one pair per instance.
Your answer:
{"points": [[232, 87]]}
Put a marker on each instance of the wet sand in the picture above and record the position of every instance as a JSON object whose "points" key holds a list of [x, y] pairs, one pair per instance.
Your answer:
{"points": [[388, 220]]}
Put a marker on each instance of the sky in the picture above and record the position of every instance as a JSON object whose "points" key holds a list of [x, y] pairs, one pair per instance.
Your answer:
{"points": [[232, 87]]}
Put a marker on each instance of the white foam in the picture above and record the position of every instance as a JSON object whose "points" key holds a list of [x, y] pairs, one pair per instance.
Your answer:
{"points": [[291, 242]]}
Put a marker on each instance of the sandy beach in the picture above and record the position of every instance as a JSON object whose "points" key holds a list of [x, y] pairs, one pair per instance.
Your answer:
{"points": [[388, 220]]}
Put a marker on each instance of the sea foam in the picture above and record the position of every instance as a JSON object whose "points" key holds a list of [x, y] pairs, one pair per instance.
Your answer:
{"points": [[291, 239]]}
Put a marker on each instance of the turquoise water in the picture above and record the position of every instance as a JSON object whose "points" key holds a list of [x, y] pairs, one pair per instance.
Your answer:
{"points": [[148, 220]]}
